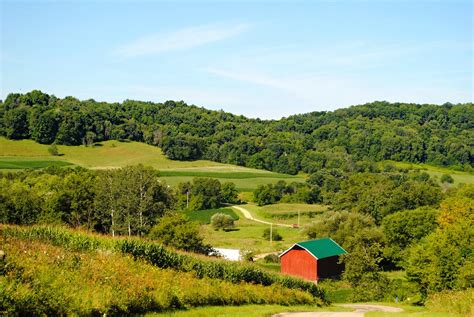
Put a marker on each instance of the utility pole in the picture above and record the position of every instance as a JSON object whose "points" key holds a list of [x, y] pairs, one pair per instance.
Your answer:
{"points": [[271, 233], [187, 199]]}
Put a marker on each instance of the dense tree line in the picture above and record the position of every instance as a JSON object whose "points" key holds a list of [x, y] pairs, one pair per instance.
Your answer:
{"points": [[125, 201], [441, 135], [287, 193], [205, 193], [371, 191], [122, 201]]}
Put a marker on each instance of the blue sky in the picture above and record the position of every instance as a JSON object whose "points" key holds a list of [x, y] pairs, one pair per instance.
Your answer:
{"points": [[264, 59]]}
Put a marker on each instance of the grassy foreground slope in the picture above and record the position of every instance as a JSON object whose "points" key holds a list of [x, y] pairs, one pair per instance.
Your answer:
{"points": [[56, 271], [114, 154]]}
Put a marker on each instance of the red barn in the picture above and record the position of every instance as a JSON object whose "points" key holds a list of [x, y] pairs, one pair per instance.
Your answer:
{"points": [[313, 259]]}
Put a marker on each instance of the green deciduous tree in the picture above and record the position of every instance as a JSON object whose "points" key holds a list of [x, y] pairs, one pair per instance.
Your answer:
{"points": [[222, 221], [177, 231], [444, 259], [132, 197], [229, 193], [405, 227], [16, 123]]}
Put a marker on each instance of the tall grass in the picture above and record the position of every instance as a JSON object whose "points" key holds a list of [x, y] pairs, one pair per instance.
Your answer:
{"points": [[41, 279], [453, 302], [162, 257]]}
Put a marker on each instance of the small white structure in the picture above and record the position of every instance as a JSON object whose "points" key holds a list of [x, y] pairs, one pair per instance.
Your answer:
{"points": [[229, 254]]}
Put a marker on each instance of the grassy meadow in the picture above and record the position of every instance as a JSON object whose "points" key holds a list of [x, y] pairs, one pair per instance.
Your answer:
{"points": [[248, 234], [287, 213], [14, 163], [459, 177], [17, 154], [204, 216]]}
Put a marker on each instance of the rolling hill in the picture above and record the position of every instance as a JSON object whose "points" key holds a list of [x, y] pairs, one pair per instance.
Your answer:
{"points": [[19, 154]]}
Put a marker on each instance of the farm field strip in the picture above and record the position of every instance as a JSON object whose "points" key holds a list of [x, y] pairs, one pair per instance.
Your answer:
{"points": [[287, 213], [248, 235], [459, 177], [249, 216], [115, 154]]}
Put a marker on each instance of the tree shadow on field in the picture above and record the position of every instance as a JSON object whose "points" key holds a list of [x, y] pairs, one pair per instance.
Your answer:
{"points": [[231, 229]]}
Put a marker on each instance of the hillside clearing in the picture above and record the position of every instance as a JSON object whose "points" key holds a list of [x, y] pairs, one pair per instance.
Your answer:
{"points": [[248, 235], [17, 154], [204, 216], [287, 213], [459, 177]]}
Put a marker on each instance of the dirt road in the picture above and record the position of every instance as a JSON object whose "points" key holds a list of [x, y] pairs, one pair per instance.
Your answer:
{"points": [[359, 311], [249, 216]]}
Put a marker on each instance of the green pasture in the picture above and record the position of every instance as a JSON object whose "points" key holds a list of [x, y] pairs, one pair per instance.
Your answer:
{"points": [[242, 184], [108, 154], [13, 163], [287, 213], [459, 177], [204, 216], [225, 174], [248, 235], [16, 154]]}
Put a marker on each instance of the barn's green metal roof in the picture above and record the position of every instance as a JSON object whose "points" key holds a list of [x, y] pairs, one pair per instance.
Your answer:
{"points": [[322, 248]]}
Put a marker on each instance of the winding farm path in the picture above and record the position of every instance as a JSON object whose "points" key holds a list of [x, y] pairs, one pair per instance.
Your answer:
{"points": [[247, 214], [360, 310]]}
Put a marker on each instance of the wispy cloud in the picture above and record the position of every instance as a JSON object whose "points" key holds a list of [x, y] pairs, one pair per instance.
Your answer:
{"points": [[327, 92], [180, 40]]}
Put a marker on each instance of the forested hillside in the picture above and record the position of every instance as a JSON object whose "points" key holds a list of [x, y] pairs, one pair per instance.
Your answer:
{"points": [[440, 135]]}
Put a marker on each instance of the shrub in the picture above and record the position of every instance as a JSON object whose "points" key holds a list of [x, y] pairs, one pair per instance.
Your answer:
{"points": [[222, 221], [247, 255], [271, 258], [275, 235], [53, 150], [177, 231], [446, 178]]}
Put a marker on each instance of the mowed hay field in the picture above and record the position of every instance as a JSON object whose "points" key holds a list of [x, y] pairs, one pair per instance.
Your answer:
{"points": [[17, 154], [287, 213]]}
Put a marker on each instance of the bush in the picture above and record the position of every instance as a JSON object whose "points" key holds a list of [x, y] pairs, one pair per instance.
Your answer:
{"points": [[271, 258], [445, 178], [222, 221], [275, 235], [247, 255], [370, 288], [178, 232], [53, 150]]}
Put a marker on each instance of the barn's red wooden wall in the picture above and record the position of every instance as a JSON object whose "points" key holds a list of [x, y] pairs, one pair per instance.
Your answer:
{"points": [[300, 263]]}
